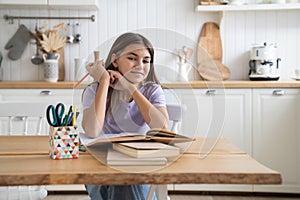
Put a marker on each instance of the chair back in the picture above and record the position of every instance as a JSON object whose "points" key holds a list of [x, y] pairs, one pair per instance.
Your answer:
{"points": [[175, 114], [22, 118]]}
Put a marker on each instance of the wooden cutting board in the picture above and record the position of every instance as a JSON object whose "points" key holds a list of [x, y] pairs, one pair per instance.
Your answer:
{"points": [[210, 40], [214, 71], [209, 54]]}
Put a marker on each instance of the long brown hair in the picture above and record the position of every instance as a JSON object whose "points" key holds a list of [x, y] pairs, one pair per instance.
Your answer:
{"points": [[119, 46]]}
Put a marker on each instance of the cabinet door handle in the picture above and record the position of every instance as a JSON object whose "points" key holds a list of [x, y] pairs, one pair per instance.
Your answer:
{"points": [[210, 92], [45, 92], [278, 92], [19, 118]]}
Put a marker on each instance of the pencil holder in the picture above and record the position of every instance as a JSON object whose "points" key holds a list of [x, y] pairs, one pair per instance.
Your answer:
{"points": [[64, 142]]}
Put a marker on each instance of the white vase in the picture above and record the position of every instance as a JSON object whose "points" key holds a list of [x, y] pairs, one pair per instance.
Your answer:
{"points": [[183, 72], [51, 67]]}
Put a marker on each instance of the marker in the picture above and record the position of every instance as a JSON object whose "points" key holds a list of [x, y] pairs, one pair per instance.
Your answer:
{"points": [[74, 116]]}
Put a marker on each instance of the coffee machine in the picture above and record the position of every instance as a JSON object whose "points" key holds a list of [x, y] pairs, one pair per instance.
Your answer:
{"points": [[264, 63]]}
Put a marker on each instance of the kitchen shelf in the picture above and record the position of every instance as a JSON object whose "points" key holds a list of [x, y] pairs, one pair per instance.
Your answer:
{"points": [[248, 7]]}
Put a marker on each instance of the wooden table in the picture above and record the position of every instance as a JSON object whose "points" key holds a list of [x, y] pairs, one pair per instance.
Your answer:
{"points": [[25, 161]]}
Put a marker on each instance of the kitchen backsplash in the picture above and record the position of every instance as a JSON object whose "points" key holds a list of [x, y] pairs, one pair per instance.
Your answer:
{"points": [[170, 25]]}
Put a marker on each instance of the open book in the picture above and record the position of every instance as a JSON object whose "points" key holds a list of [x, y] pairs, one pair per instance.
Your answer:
{"points": [[158, 135]]}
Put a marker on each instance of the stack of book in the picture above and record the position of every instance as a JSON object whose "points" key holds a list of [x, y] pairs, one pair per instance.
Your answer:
{"points": [[140, 153], [154, 147]]}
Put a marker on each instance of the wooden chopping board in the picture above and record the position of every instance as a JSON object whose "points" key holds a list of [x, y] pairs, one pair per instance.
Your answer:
{"points": [[209, 54], [210, 40], [213, 71]]}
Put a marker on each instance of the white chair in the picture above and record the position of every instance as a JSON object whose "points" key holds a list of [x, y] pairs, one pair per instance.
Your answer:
{"points": [[175, 114], [22, 118]]}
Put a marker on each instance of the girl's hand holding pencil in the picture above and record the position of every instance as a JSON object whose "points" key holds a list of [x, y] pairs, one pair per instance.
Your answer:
{"points": [[95, 69]]}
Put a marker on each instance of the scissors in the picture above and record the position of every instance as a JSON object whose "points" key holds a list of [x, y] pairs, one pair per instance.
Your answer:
{"points": [[55, 114]]}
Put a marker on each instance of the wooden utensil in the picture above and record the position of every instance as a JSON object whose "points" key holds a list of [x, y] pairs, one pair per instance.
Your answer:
{"points": [[61, 65], [189, 54], [185, 54]]}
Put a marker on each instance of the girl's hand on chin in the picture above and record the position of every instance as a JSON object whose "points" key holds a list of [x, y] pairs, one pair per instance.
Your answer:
{"points": [[118, 81]]}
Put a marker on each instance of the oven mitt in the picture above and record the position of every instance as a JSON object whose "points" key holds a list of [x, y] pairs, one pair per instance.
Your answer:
{"points": [[17, 44]]}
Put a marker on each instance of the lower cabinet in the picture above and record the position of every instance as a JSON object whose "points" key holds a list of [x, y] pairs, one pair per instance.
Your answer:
{"points": [[265, 123], [215, 113], [46, 96], [276, 135]]}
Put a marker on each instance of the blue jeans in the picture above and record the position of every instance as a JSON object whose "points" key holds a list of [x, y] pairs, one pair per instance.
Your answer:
{"points": [[118, 192]]}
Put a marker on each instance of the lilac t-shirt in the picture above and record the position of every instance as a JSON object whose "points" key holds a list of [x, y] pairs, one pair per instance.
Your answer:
{"points": [[126, 117]]}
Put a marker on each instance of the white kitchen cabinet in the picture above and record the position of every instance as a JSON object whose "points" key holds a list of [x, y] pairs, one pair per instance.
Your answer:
{"points": [[77, 3], [66, 4], [216, 113], [47, 96], [23, 2], [276, 135]]}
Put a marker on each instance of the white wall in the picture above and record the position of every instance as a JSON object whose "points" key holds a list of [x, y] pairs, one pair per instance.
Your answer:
{"points": [[169, 24]]}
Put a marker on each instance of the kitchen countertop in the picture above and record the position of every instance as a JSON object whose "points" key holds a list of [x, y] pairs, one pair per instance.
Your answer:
{"points": [[234, 84], [39, 85], [192, 84]]}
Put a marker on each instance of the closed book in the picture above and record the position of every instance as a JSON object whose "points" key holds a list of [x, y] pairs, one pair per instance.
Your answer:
{"points": [[146, 149], [118, 158]]}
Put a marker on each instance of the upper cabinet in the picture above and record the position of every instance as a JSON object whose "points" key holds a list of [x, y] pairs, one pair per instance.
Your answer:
{"points": [[23, 2], [66, 4], [248, 7], [74, 3]]}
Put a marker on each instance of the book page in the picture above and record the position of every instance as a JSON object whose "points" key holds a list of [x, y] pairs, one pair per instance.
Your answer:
{"points": [[104, 138]]}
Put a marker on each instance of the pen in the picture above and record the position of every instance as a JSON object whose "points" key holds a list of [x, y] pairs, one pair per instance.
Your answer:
{"points": [[66, 119], [70, 119]]}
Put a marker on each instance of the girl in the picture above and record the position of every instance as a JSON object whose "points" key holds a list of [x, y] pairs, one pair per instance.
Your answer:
{"points": [[125, 97]]}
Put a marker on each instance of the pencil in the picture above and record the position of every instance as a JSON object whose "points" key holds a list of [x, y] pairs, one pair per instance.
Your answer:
{"points": [[82, 79], [96, 58]]}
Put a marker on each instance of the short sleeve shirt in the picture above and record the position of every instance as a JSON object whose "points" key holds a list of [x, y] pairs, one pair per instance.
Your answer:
{"points": [[126, 116]]}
